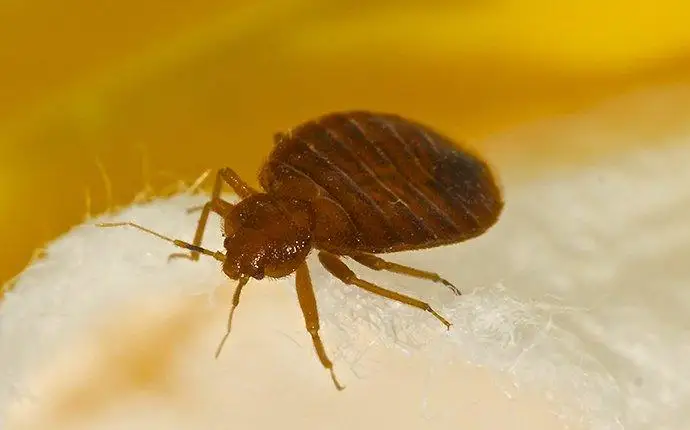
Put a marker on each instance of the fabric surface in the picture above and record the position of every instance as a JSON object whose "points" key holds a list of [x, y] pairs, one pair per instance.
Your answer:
{"points": [[579, 293]]}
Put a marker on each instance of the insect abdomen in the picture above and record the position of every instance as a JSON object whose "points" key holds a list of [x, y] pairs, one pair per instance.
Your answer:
{"points": [[397, 185]]}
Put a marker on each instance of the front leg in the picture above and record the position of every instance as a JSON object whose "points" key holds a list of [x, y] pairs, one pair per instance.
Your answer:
{"points": [[217, 205]]}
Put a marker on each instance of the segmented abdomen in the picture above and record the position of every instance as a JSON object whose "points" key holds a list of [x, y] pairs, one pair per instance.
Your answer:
{"points": [[393, 183]]}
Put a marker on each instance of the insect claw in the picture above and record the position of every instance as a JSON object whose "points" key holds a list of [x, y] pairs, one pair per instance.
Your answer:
{"points": [[452, 287], [338, 385], [440, 318]]}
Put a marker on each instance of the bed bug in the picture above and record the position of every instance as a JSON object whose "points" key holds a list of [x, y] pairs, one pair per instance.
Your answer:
{"points": [[348, 184]]}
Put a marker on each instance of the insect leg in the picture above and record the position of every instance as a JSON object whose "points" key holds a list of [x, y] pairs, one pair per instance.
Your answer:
{"points": [[218, 206], [215, 204], [236, 183], [307, 301], [337, 268], [376, 263], [235, 302]]}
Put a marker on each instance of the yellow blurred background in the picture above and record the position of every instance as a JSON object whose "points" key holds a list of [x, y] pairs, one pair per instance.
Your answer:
{"points": [[158, 91]]}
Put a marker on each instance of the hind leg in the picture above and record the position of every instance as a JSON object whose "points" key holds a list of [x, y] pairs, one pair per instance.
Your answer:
{"points": [[337, 268], [376, 263]]}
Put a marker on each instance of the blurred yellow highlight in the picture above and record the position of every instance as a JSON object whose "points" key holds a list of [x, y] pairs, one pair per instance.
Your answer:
{"points": [[574, 35], [82, 96]]}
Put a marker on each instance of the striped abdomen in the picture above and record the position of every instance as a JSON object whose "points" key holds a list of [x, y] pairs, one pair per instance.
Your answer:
{"points": [[379, 183]]}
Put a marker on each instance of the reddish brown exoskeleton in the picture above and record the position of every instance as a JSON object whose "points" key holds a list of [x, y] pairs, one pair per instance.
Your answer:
{"points": [[350, 184]]}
